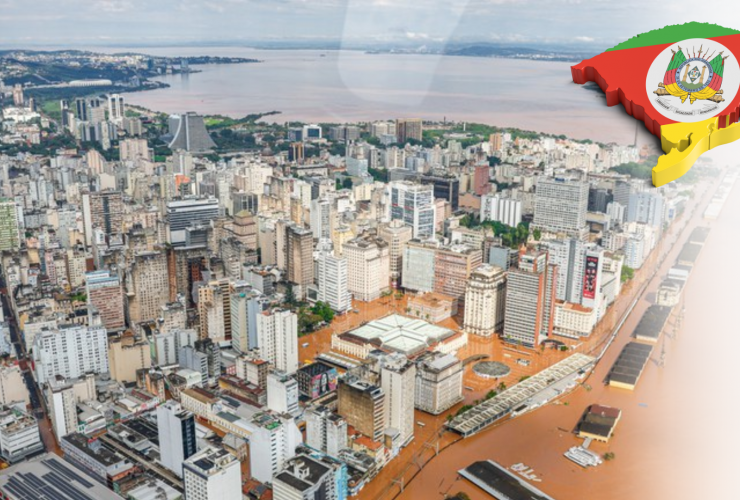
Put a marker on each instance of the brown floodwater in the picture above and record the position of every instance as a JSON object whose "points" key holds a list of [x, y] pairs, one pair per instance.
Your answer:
{"points": [[664, 445]]}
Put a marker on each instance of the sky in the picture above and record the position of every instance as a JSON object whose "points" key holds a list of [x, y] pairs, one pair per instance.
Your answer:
{"points": [[595, 23]]}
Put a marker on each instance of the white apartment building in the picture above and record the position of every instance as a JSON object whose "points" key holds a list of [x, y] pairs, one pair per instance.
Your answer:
{"points": [[439, 383], [326, 431], [273, 442], [212, 474], [368, 268], [498, 208], [332, 281], [167, 345], [282, 393], [277, 333], [176, 430], [70, 351], [398, 379], [19, 434]]}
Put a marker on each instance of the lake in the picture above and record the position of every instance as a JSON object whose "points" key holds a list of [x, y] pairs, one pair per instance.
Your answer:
{"points": [[352, 86]]}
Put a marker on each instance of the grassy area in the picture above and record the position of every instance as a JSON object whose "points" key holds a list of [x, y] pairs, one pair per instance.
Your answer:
{"points": [[52, 109]]}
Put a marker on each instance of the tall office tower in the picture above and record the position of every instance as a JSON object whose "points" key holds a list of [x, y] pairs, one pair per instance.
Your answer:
{"points": [[148, 286], [273, 442], [530, 300], [189, 133], [408, 129], [599, 199], [396, 234], [182, 214], [18, 98], [445, 187], [418, 266], [368, 263], [452, 267], [560, 206], [414, 205], [498, 208], [306, 478], [622, 192], [70, 351], [321, 217], [332, 280], [277, 333], [212, 474], [116, 108], [485, 299], [326, 431], [300, 258], [81, 109], [646, 207], [282, 393], [104, 210], [439, 382], [104, 291], [579, 271], [239, 313], [95, 111], [496, 142], [176, 431], [9, 235], [398, 379], [244, 229], [362, 404]]}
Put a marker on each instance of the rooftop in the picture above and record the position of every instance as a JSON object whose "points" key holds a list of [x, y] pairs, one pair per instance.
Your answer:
{"points": [[48, 476], [402, 334]]}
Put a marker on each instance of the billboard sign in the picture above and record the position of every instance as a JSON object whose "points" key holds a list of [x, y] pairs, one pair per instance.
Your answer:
{"points": [[589, 277]]}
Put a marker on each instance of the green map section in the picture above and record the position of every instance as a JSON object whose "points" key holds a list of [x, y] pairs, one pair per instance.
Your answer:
{"points": [[675, 33]]}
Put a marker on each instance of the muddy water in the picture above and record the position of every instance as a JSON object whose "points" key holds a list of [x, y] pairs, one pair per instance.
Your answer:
{"points": [[678, 435]]}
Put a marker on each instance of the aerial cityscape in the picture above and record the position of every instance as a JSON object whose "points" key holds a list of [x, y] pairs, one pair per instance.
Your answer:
{"points": [[324, 295]]}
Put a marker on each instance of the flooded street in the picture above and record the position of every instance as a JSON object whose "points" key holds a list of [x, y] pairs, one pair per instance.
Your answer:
{"points": [[661, 420]]}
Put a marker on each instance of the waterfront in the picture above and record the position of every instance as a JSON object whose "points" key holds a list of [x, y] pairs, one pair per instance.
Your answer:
{"points": [[351, 86], [664, 418]]}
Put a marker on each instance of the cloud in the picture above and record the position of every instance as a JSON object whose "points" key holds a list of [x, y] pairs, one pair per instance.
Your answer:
{"points": [[585, 39]]}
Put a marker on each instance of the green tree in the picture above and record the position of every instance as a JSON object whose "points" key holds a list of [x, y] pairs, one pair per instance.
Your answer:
{"points": [[609, 455], [323, 310], [347, 183], [290, 295], [537, 234], [627, 273]]}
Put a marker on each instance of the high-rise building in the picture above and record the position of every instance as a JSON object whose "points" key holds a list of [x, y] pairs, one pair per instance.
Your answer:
{"points": [[212, 474], [414, 205], [398, 379], [396, 234], [530, 299], [104, 210], [505, 210], [418, 266], [189, 133], [273, 442], [18, 98], [367, 267], [105, 293], [332, 280], [321, 217], [445, 187], [62, 407], [579, 271], [9, 235], [167, 345], [410, 128], [299, 258], [561, 205], [176, 431], [439, 382], [646, 207], [182, 214], [148, 286], [128, 354], [172, 316], [277, 333], [452, 268], [70, 351], [326, 431], [362, 404], [306, 478], [134, 149], [116, 108], [485, 300]]}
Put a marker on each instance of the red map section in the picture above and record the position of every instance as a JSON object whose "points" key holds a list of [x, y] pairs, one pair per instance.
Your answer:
{"points": [[621, 75]]}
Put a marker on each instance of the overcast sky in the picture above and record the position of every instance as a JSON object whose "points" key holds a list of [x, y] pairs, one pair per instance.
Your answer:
{"points": [[596, 22]]}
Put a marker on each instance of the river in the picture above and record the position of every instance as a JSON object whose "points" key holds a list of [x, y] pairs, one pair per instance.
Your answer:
{"points": [[353, 86]]}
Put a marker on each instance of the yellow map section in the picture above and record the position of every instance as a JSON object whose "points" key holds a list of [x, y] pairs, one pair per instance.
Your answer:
{"points": [[683, 143]]}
